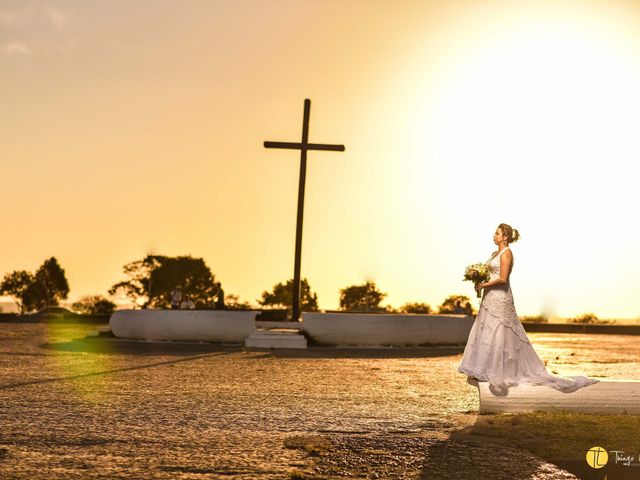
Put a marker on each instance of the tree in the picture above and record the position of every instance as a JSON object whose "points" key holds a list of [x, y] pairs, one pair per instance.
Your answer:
{"points": [[535, 319], [233, 302], [361, 298], [36, 291], [282, 296], [450, 303], [17, 284], [136, 288], [192, 274], [584, 318], [416, 308], [50, 285], [94, 304], [152, 279]]}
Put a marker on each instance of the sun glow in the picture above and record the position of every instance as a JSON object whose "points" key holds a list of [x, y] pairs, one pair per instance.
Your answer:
{"points": [[536, 125]]}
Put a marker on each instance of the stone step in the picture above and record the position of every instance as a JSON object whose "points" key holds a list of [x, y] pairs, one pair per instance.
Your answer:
{"points": [[275, 339], [279, 331], [278, 325]]}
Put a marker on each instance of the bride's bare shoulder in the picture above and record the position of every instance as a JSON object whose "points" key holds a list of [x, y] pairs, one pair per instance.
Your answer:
{"points": [[507, 253]]}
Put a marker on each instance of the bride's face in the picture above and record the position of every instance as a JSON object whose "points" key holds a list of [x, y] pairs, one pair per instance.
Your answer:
{"points": [[498, 238]]}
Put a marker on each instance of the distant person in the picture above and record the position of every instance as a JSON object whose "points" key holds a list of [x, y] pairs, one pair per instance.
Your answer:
{"points": [[219, 296], [187, 303], [458, 308], [176, 297]]}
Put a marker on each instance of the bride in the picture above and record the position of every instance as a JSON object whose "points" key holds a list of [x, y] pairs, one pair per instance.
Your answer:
{"points": [[498, 350]]}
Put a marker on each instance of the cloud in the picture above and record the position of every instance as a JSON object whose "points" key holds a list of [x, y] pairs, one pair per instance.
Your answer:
{"points": [[59, 20], [33, 30], [8, 19], [16, 48], [33, 15], [18, 18]]}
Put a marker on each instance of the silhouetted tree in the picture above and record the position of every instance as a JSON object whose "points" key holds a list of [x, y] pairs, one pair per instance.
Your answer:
{"points": [[137, 286], [362, 298], [50, 285], [449, 305], [16, 284], [535, 319], [584, 318], [232, 301], [154, 277], [415, 308], [43, 289], [282, 297], [94, 304]]}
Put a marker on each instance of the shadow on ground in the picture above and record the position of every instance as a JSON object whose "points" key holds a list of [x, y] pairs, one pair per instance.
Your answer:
{"points": [[122, 346], [477, 451], [401, 456], [137, 347], [525, 446]]}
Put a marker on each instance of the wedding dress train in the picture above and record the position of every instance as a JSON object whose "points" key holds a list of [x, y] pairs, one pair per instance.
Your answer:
{"points": [[498, 350]]}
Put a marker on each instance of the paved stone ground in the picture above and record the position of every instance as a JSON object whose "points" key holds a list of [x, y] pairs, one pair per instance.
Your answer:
{"points": [[79, 408]]}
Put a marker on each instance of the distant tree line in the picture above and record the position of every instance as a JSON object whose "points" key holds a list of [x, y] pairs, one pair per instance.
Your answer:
{"points": [[150, 280], [45, 288]]}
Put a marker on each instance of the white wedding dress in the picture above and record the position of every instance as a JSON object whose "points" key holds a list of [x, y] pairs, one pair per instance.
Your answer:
{"points": [[498, 350]]}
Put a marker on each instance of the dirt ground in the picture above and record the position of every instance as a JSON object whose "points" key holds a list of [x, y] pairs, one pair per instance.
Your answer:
{"points": [[90, 408]]}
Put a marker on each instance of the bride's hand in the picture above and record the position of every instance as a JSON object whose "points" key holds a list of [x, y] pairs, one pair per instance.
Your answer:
{"points": [[478, 288]]}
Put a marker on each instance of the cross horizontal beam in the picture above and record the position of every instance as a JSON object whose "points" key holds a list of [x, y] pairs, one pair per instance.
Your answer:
{"points": [[302, 146]]}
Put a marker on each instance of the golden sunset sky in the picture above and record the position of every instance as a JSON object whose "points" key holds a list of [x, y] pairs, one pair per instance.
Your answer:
{"points": [[137, 127]]}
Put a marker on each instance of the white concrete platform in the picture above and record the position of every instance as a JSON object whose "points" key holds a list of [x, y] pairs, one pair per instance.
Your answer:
{"points": [[232, 326], [276, 339], [608, 397], [367, 329]]}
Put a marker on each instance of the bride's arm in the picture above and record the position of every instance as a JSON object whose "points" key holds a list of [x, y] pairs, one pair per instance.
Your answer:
{"points": [[505, 262]]}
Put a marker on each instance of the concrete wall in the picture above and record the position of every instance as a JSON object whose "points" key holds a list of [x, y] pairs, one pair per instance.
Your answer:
{"points": [[231, 326], [386, 329]]}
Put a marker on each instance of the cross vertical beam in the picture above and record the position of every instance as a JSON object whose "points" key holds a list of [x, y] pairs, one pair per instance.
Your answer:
{"points": [[295, 314], [303, 146]]}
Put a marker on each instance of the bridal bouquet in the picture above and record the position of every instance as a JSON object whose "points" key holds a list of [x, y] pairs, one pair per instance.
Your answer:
{"points": [[477, 273]]}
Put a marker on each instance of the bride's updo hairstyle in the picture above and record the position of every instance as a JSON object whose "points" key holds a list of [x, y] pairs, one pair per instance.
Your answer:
{"points": [[511, 233]]}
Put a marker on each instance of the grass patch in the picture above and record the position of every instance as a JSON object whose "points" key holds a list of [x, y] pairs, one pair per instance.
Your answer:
{"points": [[563, 435]]}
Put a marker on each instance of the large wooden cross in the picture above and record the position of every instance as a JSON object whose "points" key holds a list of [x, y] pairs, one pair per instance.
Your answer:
{"points": [[303, 147]]}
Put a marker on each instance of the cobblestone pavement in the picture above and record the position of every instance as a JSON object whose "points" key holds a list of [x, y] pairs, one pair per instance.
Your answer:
{"points": [[81, 408]]}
